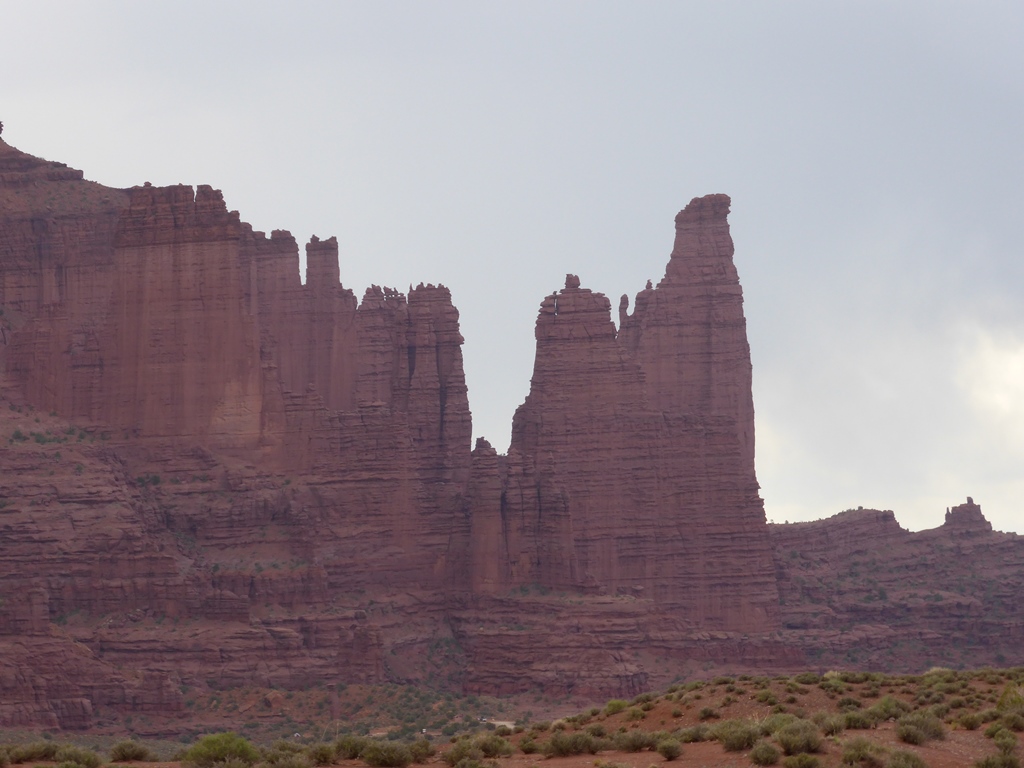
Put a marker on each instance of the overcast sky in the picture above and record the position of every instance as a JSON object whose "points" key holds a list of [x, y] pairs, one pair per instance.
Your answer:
{"points": [[874, 153]]}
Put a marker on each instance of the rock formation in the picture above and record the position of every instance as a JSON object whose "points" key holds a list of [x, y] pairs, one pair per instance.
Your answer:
{"points": [[213, 475], [859, 590]]}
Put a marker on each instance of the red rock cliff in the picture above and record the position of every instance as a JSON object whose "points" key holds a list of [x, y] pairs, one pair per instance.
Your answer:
{"points": [[643, 438]]}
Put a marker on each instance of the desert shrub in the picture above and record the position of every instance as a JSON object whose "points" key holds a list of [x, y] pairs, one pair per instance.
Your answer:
{"points": [[998, 761], [386, 754], [350, 746], [767, 697], [1012, 697], [862, 752], [84, 758], [988, 715], [462, 749], [910, 734], [1005, 741], [888, 708], [969, 721], [634, 713], [541, 727], [596, 730], [694, 734], [615, 706], [422, 750], [320, 754], [133, 751], [772, 723], [764, 753], [832, 725], [832, 686], [670, 749], [920, 724], [218, 748], [573, 744], [493, 745], [903, 759], [858, 720], [634, 741], [285, 759], [848, 704], [707, 713], [528, 746], [1013, 721], [799, 737], [806, 678], [736, 735], [801, 760], [36, 750]]}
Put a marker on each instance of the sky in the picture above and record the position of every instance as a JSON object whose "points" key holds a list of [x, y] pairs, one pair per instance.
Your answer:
{"points": [[872, 151]]}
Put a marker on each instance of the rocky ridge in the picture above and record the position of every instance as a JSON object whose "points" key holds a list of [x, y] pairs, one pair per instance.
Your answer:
{"points": [[214, 475]]}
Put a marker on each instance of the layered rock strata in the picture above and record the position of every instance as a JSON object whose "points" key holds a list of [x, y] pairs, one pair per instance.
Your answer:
{"points": [[213, 475], [858, 590]]}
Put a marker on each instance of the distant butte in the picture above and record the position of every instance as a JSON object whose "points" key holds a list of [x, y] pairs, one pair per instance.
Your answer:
{"points": [[284, 471]]}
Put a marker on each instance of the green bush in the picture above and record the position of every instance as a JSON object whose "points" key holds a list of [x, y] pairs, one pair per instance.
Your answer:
{"points": [[464, 748], [888, 708], [919, 727], [857, 720], [596, 729], [707, 713], [634, 741], [280, 759], [615, 706], [528, 746], [85, 758], [36, 750], [563, 744], [833, 726], [772, 723], [970, 721], [1013, 721], [736, 735], [350, 746], [386, 754], [1005, 741], [132, 751], [910, 734], [694, 734], [320, 754], [764, 753], [670, 749], [799, 737], [903, 759], [862, 752], [493, 746], [801, 760], [422, 750], [218, 748]]}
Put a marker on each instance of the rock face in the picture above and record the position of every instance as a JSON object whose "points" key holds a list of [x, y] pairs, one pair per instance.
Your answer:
{"points": [[663, 502], [213, 475], [859, 590]]}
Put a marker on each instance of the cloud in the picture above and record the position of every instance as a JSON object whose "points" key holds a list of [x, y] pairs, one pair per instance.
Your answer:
{"points": [[991, 376]]}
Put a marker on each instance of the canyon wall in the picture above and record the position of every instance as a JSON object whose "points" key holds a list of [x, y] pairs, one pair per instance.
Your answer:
{"points": [[214, 475]]}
